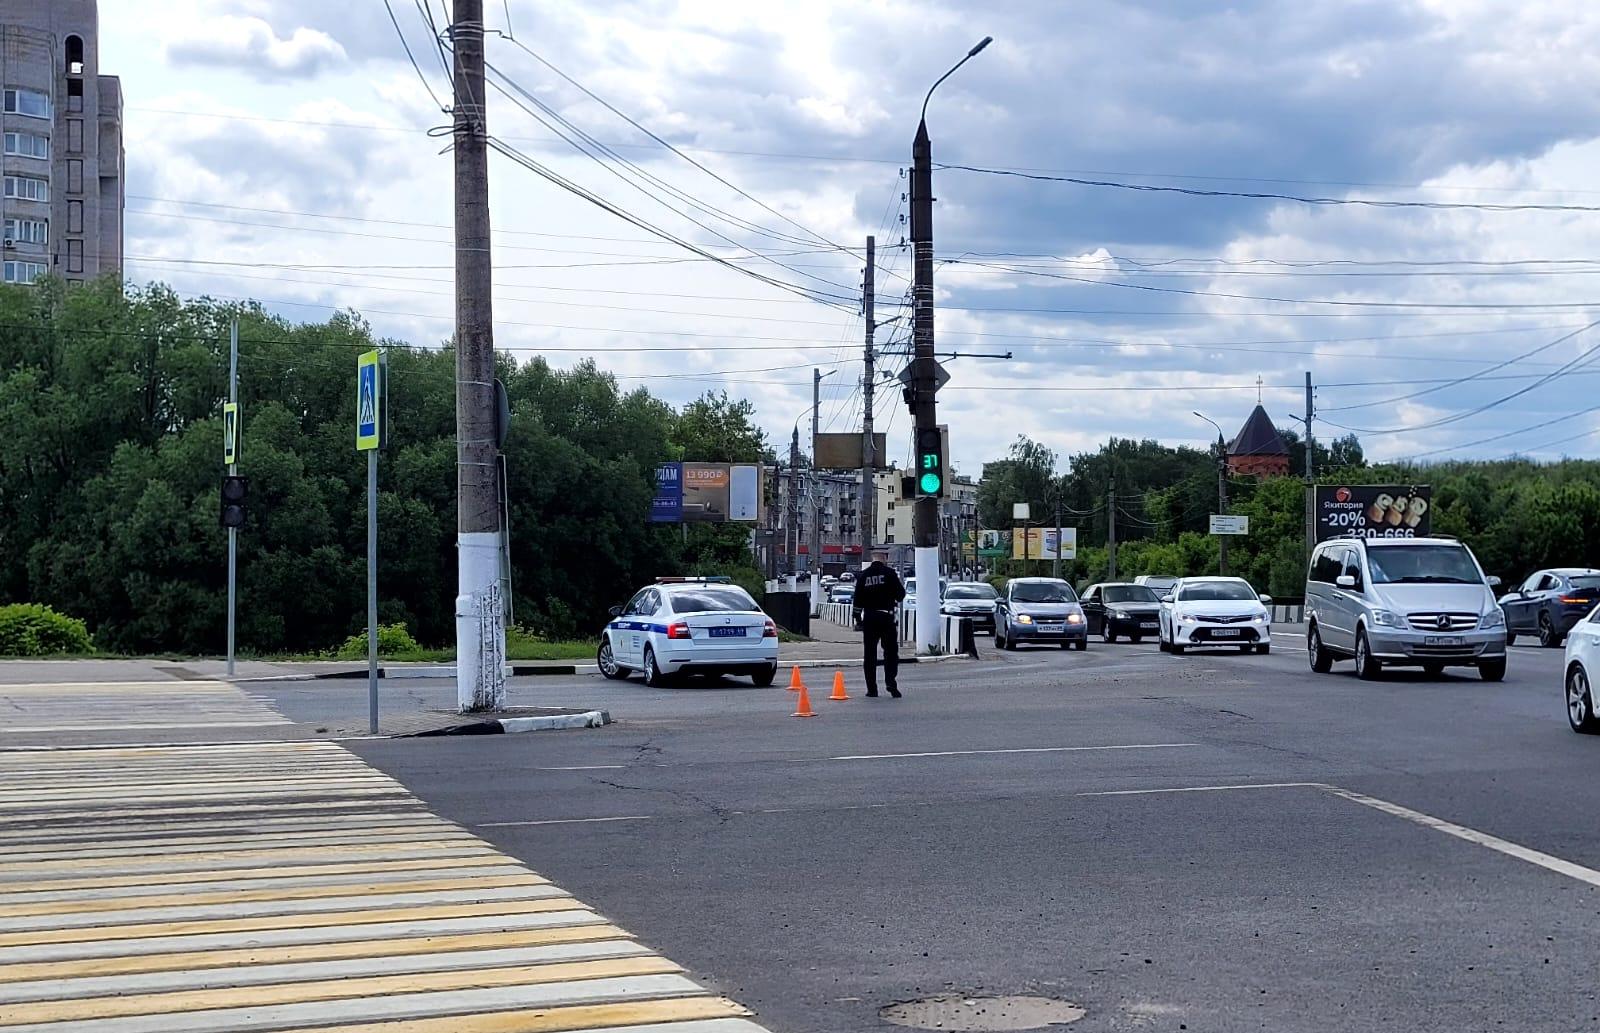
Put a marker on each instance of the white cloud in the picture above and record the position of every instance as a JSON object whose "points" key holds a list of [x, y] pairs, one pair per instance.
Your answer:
{"points": [[253, 46]]}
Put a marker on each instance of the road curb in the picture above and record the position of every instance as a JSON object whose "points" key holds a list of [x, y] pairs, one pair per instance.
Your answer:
{"points": [[519, 725], [548, 670]]}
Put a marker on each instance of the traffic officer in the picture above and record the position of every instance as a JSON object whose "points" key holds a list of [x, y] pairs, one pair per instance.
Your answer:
{"points": [[878, 594]]}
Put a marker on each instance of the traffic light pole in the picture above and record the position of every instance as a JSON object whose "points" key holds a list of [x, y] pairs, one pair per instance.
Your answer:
{"points": [[925, 515], [233, 469]]}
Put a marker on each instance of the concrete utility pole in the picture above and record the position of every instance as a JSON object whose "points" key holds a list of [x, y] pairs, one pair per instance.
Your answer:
{"points": [[869, 459], [1055, 565], [1222, 491], [1311, 476], [791, 536], [816, 500], [1111, 531], [480, 656], [233, 469]]}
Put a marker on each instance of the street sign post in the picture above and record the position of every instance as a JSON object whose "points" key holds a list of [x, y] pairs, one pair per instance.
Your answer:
{"points": [[369, 437], [1229, 523]]}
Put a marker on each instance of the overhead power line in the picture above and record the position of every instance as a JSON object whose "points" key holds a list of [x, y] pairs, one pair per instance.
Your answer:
{"points": [[1267, 196]]}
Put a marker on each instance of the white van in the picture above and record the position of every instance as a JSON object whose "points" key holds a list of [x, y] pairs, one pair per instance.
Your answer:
{"points": [[1402, 602]]}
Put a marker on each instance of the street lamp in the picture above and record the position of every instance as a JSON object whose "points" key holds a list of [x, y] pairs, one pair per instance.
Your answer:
{"points": [[925, 517], [1222, 491]]}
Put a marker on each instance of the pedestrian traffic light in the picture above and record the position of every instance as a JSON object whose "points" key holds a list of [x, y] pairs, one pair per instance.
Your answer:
{"points": [[930, 461], [235, 493]]}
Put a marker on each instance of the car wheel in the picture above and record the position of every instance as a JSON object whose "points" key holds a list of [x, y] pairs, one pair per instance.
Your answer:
{"points": [[1367, 666], [1108, 635], [1245, 647], [1005, 642], [1511, 638], [1492, 670], [1580, 702], [1321, 659], [762, 679], [652, 673], [1081, 644], [1135, 639], [607, 661], [1433, 670], [1549, 637], [1264, 650], [1176, 649]]}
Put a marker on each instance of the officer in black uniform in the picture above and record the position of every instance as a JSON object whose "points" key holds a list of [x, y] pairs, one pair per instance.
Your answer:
{"points": [[878, 594]]}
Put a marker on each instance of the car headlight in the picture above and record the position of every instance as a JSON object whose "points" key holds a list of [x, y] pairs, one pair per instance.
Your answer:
{"points": [[1120, 615], [1023, 618], [1260, 618], [1074, 618], [1186, 619], [1387, 619], [1495, 618]]}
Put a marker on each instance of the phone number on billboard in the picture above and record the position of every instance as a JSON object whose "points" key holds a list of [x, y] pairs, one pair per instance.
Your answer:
{"points": [[1387, 532]]}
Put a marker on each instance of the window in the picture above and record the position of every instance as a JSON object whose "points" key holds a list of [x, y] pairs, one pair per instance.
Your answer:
{"points": [[721, 599], [23, 272], [1547, 583], [27, 231], [74, 136], [1423, 564], [1042, 592], [74, 216], [74, 256], [1327, 566], [74, 175], [28, 188], [1129, 594], [32, 103], [74, 55], [28, 145]]}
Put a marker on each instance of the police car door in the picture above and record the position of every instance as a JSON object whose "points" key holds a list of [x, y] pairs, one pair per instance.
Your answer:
{"points": [[628, 641]]}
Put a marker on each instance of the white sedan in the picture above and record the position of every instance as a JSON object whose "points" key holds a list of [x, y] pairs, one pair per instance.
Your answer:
{"points": [[1583, 663], [1215, 611], [683, 626]]}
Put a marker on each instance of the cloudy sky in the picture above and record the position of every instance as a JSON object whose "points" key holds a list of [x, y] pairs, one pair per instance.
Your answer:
{"points": [[280, 150]]}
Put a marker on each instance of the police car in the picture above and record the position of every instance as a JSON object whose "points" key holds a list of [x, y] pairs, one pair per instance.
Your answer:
{"points": [[682, 625]]}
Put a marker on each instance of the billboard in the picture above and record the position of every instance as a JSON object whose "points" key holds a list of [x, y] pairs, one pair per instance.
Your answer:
{"points": [[1044, 543], [706, 493], [1374, 510], [843, 451]]}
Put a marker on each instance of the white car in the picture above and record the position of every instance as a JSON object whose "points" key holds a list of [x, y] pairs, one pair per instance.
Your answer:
{"points": [[689, 626], [1583, 663], [1215, 611]]}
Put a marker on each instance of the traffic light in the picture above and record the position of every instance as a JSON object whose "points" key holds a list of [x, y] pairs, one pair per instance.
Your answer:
{"points": [[930, 461], [235, 493]]}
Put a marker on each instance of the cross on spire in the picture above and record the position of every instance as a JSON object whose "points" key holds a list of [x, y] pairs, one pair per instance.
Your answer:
{"points": [[1258, 389]]}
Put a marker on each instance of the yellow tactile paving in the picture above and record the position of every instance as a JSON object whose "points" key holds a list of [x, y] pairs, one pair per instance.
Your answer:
{"points": [[157, 889]]}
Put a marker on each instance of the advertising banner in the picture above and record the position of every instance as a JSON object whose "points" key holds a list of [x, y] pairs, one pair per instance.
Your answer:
{"points": [[1044, 543], [667, 505], [705, 493], [1374, 510], [744, 493]]}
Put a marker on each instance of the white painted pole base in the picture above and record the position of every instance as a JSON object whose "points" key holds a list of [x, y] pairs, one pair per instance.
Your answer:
{"points": [[928, 623], [480, 643]]}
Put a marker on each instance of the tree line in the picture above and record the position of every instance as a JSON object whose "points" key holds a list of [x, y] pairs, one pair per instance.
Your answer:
{"points": [[111, 458], [1517, 515]]}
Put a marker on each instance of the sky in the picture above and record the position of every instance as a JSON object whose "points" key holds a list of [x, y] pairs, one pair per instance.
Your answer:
{"points": [[1426, 254]]}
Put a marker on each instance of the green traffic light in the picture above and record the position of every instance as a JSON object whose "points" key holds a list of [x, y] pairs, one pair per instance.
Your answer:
{"points": [[930, 484]]}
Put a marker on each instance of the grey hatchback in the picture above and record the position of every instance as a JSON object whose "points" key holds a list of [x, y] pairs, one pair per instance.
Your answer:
{"points": [[1040, 609]]}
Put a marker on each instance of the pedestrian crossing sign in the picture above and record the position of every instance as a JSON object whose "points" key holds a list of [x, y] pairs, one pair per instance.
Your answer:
{"points": [[368, 402]]}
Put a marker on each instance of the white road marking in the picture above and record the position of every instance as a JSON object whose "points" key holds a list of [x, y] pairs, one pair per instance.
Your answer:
{"points": [[1483, 839], [587, 767], [1024, 749], [1206, 789], [563, 821]]}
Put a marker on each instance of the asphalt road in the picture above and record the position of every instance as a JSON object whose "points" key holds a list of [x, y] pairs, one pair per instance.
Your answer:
{"points": [[1206, 842]]}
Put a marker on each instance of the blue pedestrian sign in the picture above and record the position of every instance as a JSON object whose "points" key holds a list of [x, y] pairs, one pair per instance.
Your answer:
{"points": [[368, 402]]}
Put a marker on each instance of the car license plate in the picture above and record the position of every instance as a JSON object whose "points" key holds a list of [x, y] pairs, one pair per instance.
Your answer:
{"points": [[727, 633], [1443, 640], [1052, 627], [1224, 632], [1147, 625]]}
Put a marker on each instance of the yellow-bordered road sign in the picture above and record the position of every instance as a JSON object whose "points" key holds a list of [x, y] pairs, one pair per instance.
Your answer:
{"points": [[369, 402], [230, 433]]}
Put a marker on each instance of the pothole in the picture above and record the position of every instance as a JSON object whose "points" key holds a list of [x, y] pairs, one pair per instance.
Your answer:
{"points": [[980, 1014]]}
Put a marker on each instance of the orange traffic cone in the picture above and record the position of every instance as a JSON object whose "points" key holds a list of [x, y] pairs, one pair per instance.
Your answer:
{"points": [[804, 708], [795, 684], [838, 686]]}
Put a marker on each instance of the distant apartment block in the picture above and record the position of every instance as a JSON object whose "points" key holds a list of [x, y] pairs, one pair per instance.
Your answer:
{"points": [[62, 158]]}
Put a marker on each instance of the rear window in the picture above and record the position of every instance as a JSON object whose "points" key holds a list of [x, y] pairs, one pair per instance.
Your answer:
{"points": [[714, 600], [1585, 581]]}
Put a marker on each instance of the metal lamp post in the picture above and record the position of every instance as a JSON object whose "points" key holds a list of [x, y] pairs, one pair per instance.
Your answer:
{"points": [[1222, 491]]}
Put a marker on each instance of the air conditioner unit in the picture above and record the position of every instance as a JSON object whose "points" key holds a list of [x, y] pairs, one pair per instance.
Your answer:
{"points": [[10, 242]]}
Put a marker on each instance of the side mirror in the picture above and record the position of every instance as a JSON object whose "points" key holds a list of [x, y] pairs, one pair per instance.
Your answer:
{"points": [[1166, 597], [1266, 600], [1494, 582], [1345, 581], [615, 611]]}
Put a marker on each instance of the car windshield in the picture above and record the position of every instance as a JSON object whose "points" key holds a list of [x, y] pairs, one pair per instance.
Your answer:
{"points": [[1423, 565], [1128, 594], [1043, 592], [1217, 591], [1586, 581], [970, 592], [715, 600]]}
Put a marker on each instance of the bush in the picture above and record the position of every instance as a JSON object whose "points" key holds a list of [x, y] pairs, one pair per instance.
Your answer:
{"points": [[393, 639], [30, 629]]}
